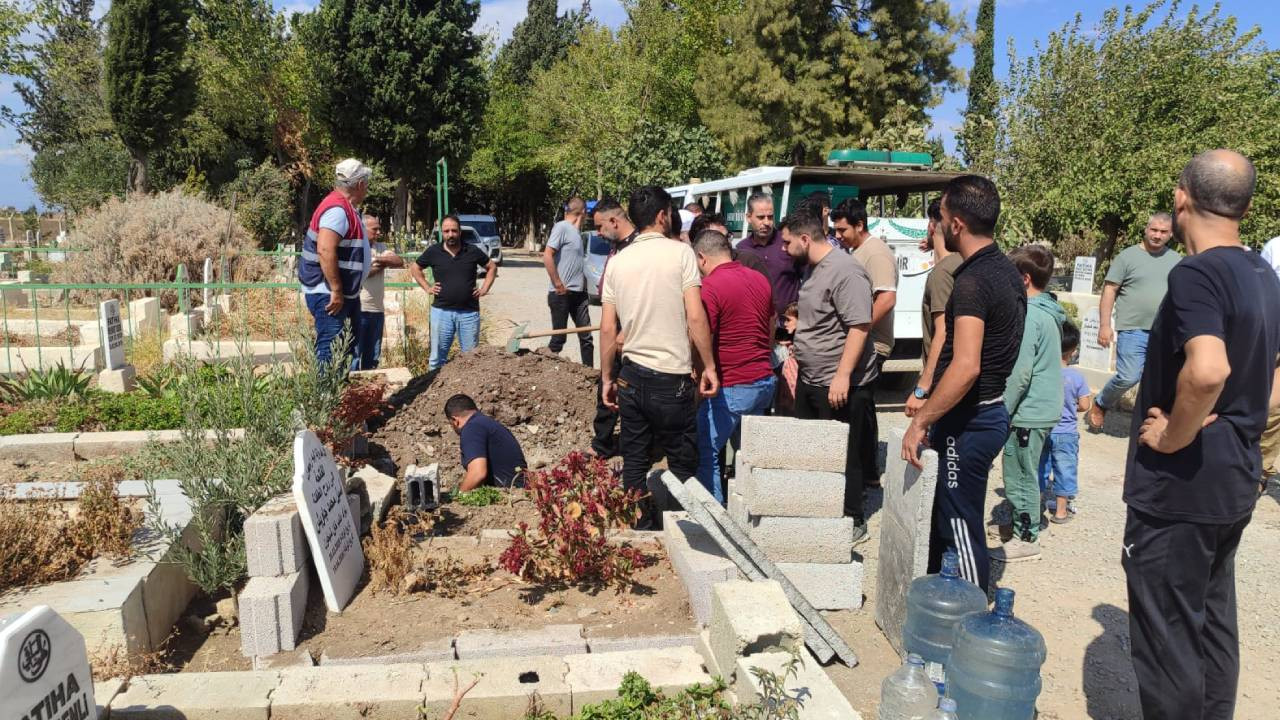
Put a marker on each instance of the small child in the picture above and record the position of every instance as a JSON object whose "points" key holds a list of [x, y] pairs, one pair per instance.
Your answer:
{"points": [[785, 363], [1062, 450]]}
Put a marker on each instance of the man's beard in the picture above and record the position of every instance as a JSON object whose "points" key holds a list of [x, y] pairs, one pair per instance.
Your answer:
{"points": [[949, 241]]}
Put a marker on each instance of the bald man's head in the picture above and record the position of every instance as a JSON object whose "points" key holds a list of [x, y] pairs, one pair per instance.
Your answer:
{"points": [[1220, 182]]}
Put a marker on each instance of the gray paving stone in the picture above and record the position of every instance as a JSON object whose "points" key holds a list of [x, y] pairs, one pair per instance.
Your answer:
{"points": [[547, 640], [368, 692], [242, 695], [827, 586], [640, 642], [432, 651], [904, 535]]}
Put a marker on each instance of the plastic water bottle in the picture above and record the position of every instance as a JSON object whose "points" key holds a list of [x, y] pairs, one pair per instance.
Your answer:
{"points": [[946, 710], [935, 604], [907, 694], [994, 670]]}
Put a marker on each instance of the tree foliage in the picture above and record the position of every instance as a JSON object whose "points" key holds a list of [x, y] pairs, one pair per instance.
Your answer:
{"points": [[978, 138], [1097, 125], [538, 41]]}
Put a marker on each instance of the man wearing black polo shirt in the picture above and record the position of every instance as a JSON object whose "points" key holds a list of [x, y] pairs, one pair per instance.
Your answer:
{"points": [[456, 308], [1191, 481], [966, 410]]}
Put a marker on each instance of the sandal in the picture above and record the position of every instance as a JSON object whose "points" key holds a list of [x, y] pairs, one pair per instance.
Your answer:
{"points": [[1061, 520]]}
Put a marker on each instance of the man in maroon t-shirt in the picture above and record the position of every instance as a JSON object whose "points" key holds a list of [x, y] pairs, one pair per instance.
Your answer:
{"points": [[739, 303]]}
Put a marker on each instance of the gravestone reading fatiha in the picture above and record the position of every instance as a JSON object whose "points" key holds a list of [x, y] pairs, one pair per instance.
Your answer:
{"points": [[1082, 278], [44, 669], [326, 520], [112, 334], [1092, 354]]}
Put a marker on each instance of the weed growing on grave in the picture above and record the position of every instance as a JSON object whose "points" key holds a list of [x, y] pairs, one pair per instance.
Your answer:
{"points": [[579, 501], [389, 549], [104, 525], [482, 496], [53, 383]]}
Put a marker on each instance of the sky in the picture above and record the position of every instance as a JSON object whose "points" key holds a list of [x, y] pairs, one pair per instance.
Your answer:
{"points": [[1026, 21]]}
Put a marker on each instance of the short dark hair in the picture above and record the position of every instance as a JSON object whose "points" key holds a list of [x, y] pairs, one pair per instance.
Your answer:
{"points": [[575, 205], [676, 221], [1070, 337], [803, 221], [821, 197], [975, 200], [452, 217], [703, 221], [646, 203], [852, 211], [1035, 261], [712, 243], [756, 197], [459, 405], [605, 205], [935, 209], [1218, 185]]}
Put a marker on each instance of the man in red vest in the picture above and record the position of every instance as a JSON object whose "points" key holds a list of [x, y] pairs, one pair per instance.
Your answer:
{"points": [[335, 260]]}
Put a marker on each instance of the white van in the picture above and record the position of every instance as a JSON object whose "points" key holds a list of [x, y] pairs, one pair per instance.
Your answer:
{"points": [[888, 182]]}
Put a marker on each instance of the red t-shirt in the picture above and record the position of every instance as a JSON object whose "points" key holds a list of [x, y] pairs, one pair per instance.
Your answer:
{"points": [[739, 304]]}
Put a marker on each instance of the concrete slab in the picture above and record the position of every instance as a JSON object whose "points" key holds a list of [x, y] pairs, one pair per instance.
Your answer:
{"points": [[793, 493], [698, 560], [378, 491], [548, 640], [904, 535], [641, 642], [456, 542], [738, 513], [819, 696], [803, 540], [751, 617], [827, 586], [771, 441], [197, 696], [594, 678], [273, 538], [503, 688], [432, 651], [108, 611], [104, 691], [271, 612], [94, 445], [366, 692], [45, 447]]}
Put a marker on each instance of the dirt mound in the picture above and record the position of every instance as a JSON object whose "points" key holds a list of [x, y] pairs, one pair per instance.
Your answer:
{"points": [[548, 403]]}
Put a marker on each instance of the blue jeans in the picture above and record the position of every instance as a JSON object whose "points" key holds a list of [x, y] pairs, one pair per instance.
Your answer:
{"points": [[328, 327], [1131, 355], [718, 420], [371, 325], [1059, 465], [445, 324]]}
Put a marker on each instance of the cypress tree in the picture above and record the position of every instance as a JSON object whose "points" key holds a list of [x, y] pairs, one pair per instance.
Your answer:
{"points": [[979, 137], [150, 84]]}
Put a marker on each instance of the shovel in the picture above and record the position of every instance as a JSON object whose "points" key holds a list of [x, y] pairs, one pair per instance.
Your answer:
{"points": [[513, 343]]}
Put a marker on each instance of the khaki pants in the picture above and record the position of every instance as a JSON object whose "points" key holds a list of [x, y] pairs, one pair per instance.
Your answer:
{"points": [[1271, 445]]}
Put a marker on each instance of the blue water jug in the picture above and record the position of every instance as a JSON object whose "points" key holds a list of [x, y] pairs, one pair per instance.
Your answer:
{"points": [[935, 604], [994, 669]]}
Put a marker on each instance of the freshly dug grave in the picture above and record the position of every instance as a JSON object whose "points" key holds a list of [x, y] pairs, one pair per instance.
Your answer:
{"points": [[548, 403]]}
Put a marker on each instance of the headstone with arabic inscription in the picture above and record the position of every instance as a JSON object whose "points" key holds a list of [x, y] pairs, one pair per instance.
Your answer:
{"points": [[331, 531], [1082, 278], [44, 669], [112, 332], [1092, 354]]}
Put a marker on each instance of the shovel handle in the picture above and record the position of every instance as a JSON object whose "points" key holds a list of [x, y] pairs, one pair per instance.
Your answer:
{"points": [[566, 331]]}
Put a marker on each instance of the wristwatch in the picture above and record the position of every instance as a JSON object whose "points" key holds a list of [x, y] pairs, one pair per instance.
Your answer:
{"points": [[921, 393]]}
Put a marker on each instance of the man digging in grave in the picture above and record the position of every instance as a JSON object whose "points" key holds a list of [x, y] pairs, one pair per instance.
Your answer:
{"points": [[491, 455]]}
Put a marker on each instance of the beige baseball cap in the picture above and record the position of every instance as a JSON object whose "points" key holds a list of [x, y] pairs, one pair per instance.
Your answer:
{"points": [[352, 170]]}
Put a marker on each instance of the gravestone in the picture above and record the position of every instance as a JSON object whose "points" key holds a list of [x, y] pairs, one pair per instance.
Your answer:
{"points": [[208, 278], [1092, 354], [1082, 278], [331, 531], [44, 669], [905, 522], [112, 334]]}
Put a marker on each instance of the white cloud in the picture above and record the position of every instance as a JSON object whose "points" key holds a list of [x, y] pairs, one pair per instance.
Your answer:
{"points": [[18, 155]]}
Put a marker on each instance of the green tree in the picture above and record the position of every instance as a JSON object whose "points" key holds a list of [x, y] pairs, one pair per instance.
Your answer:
{"points": [[405, 82], [13, 20], [148, 76], [538, 41], [978, 138], [1099, 122], [664, 153]]}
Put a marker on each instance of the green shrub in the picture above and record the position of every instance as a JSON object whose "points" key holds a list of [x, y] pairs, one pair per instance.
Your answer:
{"points": [[27, 419], [138, 411], [264, 202], [480, 497], [51, 383]]}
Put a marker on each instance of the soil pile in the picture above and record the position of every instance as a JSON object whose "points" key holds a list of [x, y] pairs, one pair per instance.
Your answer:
{"points": [[547, 402]]}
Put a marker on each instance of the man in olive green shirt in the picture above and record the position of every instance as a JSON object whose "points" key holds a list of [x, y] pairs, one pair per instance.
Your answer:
{"points": [[933, 307], [1135, 285]]}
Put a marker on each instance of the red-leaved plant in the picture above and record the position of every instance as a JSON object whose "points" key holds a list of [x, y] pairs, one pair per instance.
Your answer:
{"points": [[360, 401], [579, 501]]}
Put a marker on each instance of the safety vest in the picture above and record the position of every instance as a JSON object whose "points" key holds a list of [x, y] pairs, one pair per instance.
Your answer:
{"points": [[351, 250]]}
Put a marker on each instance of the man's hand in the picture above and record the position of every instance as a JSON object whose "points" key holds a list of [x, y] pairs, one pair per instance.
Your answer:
{"points": [[913, 404], [1106, 335], [709, 384], [434, 289], [1154, 432], [912, 439], [838, 393], [609, 394], [479, 292], [335, 303], [561, 289]]}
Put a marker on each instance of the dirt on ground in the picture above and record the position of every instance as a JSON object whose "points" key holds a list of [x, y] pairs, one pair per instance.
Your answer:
{"points": [[547, 402], [453, 519]]}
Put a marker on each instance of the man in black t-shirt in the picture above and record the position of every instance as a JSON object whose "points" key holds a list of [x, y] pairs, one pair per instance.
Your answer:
{"points": [[490, 453], [1191, 480], [966, 408], [455, 310]]}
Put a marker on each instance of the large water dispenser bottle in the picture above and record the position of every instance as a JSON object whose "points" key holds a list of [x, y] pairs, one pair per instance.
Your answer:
{"points": [[907, 694], [946, 710], [935, 604], [994, 670]]}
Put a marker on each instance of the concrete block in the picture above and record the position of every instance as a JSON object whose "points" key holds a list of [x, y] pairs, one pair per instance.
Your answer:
{"points": [[45, 447], [772, 442], [803, 540], [167, 590], [378, 490], [595, 678], [104, 691], [904, 535], [698, 561], [827, 587], [819, 697], [793, 493], [185, 325], [367, 692], [144, 315], [93, 445], [641, 642], [197, 696], [362, 523], [273, 538], [548, 640], [422, 487], [738, 512], [431, 651], [271, 611], [502, 689], [118, 381], [751, 617]]}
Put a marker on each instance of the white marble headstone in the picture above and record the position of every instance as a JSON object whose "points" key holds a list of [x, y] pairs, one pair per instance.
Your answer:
{"points": [[208, 278], [112, 332], [1082, 278], [44, 669], [1092, 354], [331, 531]]}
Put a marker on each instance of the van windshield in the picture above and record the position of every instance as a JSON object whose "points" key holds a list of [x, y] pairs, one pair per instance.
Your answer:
{"points": [[599, 245]]}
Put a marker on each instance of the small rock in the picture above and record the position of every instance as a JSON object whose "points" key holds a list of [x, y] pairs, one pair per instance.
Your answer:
{"points": [[195, 624], [532, 429], [586, 613], [431, 450]]}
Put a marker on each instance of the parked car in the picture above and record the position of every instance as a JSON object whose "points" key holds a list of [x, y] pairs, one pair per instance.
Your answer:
{"points": [[486, 227], [598, 247], [489, 246]]}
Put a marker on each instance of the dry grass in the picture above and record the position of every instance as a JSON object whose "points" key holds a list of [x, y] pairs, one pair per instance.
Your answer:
{"points": [[398, 566], [146, 352], [116, 662], [262, 314]]}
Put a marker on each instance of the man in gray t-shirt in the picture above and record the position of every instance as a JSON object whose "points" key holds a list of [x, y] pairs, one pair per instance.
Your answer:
{"points": [[565, 258], [836, 358]]}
